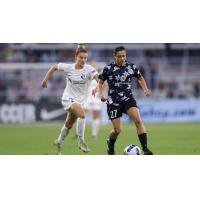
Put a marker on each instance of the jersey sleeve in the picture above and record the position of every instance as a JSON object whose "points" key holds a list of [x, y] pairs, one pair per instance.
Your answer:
{"points": [[63, 67], [136, 72], [93, 72], [104, 74]]}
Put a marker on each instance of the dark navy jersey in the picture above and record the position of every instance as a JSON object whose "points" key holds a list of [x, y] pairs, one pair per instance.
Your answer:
{"points": [[119, 80]]}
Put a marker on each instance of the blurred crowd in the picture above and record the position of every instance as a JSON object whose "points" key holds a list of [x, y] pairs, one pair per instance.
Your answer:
{"points": [[169, 74], [21, 53]]}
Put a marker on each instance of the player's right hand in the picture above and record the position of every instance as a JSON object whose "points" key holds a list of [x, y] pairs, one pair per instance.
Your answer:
{"points": [[148, 92], [103, 99], [44, 83]]}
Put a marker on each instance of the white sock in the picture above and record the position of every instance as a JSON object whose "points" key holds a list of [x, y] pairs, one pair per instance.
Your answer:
{"points": [[95, 127], [64, 132], [80, 128]]}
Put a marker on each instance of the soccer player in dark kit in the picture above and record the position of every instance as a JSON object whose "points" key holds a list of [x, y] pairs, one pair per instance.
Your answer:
{"points": [[119, 75]]}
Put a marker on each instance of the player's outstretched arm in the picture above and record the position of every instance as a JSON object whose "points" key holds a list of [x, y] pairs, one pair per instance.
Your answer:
{"points": [[48, 75], [143, 84], [94, 91]]}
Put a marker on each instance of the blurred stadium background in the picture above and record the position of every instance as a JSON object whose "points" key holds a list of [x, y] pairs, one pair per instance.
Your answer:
{"points": [[172, 72]]}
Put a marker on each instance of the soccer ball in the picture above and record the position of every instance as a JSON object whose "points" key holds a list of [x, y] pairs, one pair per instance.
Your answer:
{"points": [[132, 149]]}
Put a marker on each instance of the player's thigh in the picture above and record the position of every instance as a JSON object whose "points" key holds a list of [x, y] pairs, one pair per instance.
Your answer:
{"points": [[117, 126], [77, 110], [134, 114]]}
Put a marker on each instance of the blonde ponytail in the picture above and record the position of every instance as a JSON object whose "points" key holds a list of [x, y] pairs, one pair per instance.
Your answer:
{"points": [[81, 45]]}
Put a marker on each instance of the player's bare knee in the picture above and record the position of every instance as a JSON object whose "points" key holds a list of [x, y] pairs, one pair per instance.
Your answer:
{"points": [[138, 122], [117, 131], [68, 125]]}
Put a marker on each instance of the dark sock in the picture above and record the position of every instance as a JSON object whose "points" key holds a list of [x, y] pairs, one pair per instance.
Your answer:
{"points": [[111, 146], [143, 140], [112, 138], [112, 141]]}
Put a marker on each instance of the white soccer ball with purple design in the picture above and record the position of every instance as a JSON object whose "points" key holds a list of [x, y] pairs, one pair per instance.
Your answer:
{"points": [[132, 149]]}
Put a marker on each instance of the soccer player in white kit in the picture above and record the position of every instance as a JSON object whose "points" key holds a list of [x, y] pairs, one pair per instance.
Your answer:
{"points": [[78, 76], [93, 105]]}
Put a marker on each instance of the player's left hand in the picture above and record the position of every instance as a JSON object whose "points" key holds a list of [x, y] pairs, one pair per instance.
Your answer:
{"points": [[148, 92], [44, 83]]}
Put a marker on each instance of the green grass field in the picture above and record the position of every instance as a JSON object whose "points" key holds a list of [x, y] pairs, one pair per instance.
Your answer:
{"points": [[164, 139]]}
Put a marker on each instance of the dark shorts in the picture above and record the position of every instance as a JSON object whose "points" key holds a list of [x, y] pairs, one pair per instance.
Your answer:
{"points": [[115, 112]]}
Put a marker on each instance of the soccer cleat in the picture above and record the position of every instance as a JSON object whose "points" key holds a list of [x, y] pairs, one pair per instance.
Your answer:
{"points": [[111, 150], [83, 146], [147, 152], [58, 147]]}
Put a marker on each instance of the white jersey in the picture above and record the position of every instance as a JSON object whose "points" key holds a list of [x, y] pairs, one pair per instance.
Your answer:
{"points": [[78, 81]]}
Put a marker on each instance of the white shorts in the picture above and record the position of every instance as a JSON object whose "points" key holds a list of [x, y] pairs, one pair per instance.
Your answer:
{"points": [[67, 103], [92, 103]]}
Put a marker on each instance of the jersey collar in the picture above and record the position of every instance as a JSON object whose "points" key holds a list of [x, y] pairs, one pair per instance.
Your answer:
{"points": [[126, 64]]}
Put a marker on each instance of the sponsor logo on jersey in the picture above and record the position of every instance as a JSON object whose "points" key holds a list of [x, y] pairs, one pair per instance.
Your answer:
{"points": [[77, 82], [123, 78], [83, 76]]}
